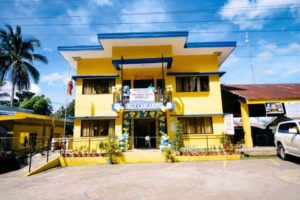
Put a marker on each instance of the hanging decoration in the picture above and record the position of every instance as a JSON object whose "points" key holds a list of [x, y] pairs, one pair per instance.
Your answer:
{"points": [[161, 116]]}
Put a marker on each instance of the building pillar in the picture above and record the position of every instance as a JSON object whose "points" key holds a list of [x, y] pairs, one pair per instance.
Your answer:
{"points": [[246, 124]]}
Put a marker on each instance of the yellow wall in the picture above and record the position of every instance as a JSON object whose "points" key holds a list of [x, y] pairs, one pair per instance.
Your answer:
{"points": [[142, 52], [185, 102], [33, 126]]}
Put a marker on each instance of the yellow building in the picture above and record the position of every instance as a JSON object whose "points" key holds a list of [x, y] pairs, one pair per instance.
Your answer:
{"points": [[18, 126], [137, 85]]}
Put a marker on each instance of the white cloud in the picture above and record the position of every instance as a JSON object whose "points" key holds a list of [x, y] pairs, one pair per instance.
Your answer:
{"points": [[143, 6], [103, 2], [269, 50], [7, 88], [48, 49], [258, 9], [55, 77], [204, 32]]}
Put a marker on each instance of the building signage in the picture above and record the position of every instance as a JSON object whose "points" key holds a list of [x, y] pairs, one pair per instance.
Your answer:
{"points": [[228, 124], [274, 108], [292, 109], [141, 95], [143, 106]]}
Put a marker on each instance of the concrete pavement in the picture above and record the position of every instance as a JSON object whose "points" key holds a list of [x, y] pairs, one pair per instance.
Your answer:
{"points": [[268, 178]]}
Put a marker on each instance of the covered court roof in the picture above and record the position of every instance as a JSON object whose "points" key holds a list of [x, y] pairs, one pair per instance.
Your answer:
{"points": [[264, 91]]}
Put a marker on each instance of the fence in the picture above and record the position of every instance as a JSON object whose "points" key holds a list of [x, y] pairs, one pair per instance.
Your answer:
{"points": [[90, 144], [16, 146]]}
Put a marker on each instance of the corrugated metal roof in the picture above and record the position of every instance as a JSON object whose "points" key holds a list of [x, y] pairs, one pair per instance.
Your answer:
{"points": [[265, 91]]}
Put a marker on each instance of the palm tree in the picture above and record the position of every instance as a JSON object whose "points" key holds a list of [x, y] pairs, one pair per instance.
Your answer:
{"points": [[17, 56]]}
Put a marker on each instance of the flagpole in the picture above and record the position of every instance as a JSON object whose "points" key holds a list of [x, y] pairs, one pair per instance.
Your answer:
{"points": [[65, 121]]}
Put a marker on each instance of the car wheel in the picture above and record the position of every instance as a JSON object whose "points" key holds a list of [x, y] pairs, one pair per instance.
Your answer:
{"points": [[281, 152]]}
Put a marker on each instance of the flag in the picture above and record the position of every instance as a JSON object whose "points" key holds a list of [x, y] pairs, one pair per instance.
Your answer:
{"points": [[70, 87], [70, 83]]}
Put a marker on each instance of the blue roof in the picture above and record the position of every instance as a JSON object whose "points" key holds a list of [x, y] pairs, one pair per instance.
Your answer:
{"points": [[80, 48], [210, 44], [14, 109], [129, 35]]}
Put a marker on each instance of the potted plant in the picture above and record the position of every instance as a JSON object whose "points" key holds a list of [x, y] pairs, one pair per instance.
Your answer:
{"points": [[111, 148], [93, 154], [177, 142], [168, 153], [74, 153]]}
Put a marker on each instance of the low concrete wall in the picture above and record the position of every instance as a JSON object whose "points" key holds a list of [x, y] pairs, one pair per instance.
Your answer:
{"points": [[128, 157], [140, 157]]}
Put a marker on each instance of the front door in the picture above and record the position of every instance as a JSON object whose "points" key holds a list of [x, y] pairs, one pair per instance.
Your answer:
{"points": [[144, 133]]}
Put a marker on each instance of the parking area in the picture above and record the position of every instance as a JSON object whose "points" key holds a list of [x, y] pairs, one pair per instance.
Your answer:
{"points": [[268, 178]]}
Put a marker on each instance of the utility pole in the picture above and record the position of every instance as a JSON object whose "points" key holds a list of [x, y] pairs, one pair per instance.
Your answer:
{"points": [[250, 56]]}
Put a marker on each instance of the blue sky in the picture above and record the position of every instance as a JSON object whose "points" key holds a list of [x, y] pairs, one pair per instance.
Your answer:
{"points": [[273, 46]]}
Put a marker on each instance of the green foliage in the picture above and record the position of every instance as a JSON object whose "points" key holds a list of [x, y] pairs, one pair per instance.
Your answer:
{"points": [[169, 154], [17, 57], [39, 104], [22, 96], [60, 113], [177, 141], [224, 139], [110, 147]]}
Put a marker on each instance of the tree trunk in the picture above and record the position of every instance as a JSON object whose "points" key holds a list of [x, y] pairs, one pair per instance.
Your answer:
{"points": [[12, 93]]}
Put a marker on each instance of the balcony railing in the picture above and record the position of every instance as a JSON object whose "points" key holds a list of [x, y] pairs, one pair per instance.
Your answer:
{"points": [[158, 97]]}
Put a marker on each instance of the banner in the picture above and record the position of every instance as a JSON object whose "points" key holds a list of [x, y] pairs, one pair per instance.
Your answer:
{"points": [[228, 124], [141, 95], [274, 108], [292, 109]]}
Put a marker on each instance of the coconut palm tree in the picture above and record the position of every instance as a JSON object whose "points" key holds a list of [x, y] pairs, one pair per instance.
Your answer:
{"points": [[17, 57]]}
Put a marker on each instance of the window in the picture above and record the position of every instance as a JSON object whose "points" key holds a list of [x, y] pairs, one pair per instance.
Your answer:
{"points": [[288, 128], [98, 86], [94, 128], [197, 125], [192, 84]]}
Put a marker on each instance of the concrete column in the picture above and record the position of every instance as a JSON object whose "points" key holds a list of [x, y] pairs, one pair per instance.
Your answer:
{"points": [[246, 124]]}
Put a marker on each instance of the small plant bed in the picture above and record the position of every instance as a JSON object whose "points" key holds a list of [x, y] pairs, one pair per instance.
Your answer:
{"points": [[83, 151], [212, 151]]}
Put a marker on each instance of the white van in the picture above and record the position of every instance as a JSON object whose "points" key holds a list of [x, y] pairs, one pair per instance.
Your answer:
{"points": [[287, 138]]}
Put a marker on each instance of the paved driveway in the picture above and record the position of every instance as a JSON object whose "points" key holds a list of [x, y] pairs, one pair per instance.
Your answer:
{"points": [[245, 179]]}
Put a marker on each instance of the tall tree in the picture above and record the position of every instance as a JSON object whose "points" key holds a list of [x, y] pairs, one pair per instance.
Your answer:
{"points": [[60, 113], [18, 56], [39, 104], [22, 96]]}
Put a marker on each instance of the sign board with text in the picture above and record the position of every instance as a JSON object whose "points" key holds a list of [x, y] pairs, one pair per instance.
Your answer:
{"points": [[274, 108], [228, 124], [141, 95]]}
